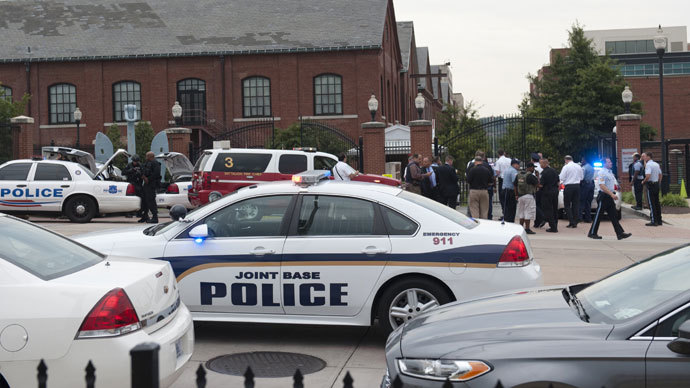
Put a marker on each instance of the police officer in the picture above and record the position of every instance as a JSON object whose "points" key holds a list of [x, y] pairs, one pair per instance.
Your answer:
{"points": [[152, 176], [637, 178], [586, 191], [652, 179], [548, 181], [133, 172], [606, 203]]}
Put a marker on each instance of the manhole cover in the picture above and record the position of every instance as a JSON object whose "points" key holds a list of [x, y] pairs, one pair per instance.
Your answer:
{"points": [[266, 364]]}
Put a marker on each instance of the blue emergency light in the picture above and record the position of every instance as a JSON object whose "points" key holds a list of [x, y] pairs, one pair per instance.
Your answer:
{"points": [[598, 164]]}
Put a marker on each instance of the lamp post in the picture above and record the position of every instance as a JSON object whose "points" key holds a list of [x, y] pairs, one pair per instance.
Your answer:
{"points": [[373, 105], [660, 46], [419, 104], [627, 98], [77, 119], [177, 112], [614, 146]]}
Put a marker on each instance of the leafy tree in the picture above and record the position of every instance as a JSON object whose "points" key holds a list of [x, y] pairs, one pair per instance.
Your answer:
{"points": [[309, 136], [8, 109], [115, 136], [143, 133], [460, 134], [582, 90]]}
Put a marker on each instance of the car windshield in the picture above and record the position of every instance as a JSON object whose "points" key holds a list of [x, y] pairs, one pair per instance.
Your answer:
{"points": [[636, 289], [44, 254], [166, 226], [439, 209]]}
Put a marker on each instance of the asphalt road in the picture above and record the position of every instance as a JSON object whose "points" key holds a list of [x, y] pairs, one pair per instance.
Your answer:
{"points": [[566, 257]]}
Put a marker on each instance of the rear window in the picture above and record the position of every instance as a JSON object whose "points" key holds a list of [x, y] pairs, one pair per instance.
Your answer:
{"points": [[238, 162], [439, 209], [15, 172], [44, 254], [201, 162], [292, 164]]}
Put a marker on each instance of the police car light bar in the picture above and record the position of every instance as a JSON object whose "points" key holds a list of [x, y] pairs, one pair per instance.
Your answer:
{"points": [[308, 178], [305, 149], [598, 164]]}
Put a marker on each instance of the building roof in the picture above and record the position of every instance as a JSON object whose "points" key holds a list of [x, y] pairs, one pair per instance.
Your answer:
{"points": [[109, 29], [422, 59], [405, 33]]}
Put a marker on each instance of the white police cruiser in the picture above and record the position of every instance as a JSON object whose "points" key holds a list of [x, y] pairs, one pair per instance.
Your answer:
{"points": [[328, 252], [56, 186]]}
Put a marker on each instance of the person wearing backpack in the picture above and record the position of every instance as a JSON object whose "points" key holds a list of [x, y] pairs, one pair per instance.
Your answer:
{"points": [[525, 188]]}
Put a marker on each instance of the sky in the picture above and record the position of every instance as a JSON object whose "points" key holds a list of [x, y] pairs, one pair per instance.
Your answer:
{"points": [[493, 45]]}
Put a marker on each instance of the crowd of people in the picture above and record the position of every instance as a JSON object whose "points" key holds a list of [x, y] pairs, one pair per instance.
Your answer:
{"points": [[529, 195]]}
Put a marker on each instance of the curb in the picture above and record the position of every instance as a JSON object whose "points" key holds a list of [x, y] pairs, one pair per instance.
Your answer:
{"points": [[627, 209]]}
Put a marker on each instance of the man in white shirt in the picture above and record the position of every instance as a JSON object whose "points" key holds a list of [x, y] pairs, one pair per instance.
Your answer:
{"points": [[571, 176], [652, 180], [502, 165], [342, 171]]}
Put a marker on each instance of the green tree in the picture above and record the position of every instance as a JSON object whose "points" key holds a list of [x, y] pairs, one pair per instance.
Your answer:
{"points": [[115, 136], [582, 90], [143, 133], [460, 134], [9, 109], [309, 136]]}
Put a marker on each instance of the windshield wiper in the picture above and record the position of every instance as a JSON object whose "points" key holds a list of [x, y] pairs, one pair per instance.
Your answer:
{"points": [[572, 299]]}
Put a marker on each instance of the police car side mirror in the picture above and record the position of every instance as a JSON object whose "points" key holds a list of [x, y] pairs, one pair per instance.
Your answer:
{"points": [[199, 231], [681, 345]]}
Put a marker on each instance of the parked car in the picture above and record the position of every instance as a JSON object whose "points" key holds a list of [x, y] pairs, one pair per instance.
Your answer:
{"points": [[84, 158], [175, 191], [66, 304], [222, 171], [594, 204], [630, 329]]}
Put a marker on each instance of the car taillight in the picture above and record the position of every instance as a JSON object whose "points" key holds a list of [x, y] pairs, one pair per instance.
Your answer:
{"points": [[515, 254], [206, 180], [173, 189], [562, 186], [113, 315], [131, 190]]}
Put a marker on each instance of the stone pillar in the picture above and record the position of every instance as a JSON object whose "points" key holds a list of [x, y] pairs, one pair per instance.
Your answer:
{"points": [[421, 141], [374, 149], [23, 136], [179, 139], [628, 135]]}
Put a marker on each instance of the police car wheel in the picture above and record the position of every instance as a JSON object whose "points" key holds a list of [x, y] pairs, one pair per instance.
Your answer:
{"points": [[80, 209], [407, 299]]}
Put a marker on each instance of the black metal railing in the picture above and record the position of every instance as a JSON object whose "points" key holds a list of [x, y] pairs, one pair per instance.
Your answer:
{"points": [[7, 145]]}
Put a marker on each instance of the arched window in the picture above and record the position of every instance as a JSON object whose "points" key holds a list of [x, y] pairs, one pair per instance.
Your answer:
{"points": [[6, 93], [328, 94], [191, 93], [256, 97], [62, 103], [126, 93]]}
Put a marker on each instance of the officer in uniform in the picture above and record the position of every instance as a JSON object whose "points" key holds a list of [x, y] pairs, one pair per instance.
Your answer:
{"points": [[606, 203], [586, 191], [652, 179], [133, 173], [637, 178], [152, 176]]}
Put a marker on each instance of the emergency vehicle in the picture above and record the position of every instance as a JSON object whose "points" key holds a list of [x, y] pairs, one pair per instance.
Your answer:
{"points": [[221, 171], [61, 187], [176, 190], [317, 251]]}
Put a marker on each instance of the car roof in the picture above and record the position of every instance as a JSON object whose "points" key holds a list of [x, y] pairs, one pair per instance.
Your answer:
{"points": [[323, 187], [65, 162], [265, 151]]}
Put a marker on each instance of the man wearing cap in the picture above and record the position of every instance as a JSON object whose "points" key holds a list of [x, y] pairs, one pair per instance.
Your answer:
{"points": [[652, 179], [637, 178], [509, 190], [571, 175], [606, 203]]}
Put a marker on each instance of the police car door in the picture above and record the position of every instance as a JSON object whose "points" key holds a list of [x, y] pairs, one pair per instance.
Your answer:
{"points": [[334, 254], [51, 184], [13, 185], [237, 268]]}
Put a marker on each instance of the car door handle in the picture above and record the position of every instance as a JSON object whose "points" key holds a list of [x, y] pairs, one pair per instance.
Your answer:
{"points": [[260, 251], [21, 185], [64, 186], [374, 251]]}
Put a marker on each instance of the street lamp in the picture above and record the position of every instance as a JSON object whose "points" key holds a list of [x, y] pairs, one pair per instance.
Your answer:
{"points": [[627, 98], [419, 104], [177, 112], [373, 105], [614, 148], [77, 119], [660, 46]]}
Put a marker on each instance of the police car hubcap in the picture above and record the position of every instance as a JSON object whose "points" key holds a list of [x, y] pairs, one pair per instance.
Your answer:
{"points": [[80, 209], [409, 304]]}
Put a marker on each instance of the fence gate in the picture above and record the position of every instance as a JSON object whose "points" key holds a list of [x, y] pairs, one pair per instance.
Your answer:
{"points": [[520, 136], [678, 159], [326, 138], [255, 134]]}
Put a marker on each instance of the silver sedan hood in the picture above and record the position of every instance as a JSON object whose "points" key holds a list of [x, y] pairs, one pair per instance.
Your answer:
{"points": [[471, 329]]}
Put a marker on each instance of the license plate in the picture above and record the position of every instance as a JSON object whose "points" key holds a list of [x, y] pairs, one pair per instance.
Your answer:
{"points": [[178, 348]]}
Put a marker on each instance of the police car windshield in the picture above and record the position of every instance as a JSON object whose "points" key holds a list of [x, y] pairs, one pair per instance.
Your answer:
{"points": [[42, 253], [639, 288], [166, 226], [439, 209]]}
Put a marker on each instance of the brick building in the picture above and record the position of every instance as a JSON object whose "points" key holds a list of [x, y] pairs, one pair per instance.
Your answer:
{"points": [[226, 62]]}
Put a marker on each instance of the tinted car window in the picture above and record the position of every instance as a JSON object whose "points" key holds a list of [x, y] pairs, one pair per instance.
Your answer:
{"points": [[238, 162], [329, 216], [292, 164], [42, 253], [324, 163], [51, 172], [397, 224], [669, 327], [256, 217], [15, 172]]}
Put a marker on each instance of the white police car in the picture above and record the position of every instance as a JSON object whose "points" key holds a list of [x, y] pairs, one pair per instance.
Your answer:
{"points": [[174, 192], [55, 186], [328, 252], [594, 204]]}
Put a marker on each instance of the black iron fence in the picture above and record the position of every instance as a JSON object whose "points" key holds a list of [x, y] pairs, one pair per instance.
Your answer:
{"points": [[327, 138], [678, 159], [7, 145]]}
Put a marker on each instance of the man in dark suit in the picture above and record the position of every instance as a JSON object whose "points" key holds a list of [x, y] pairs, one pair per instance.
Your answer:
{"points": [[152, 177], [448, 183]]}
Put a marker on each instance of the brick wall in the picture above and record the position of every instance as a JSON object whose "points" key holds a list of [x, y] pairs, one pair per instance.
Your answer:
{"points": [[628, 137], [676, 103]]}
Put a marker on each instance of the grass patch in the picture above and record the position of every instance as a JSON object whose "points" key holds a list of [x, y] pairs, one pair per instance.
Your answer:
{"points": [[629, 197], [673, 200]]}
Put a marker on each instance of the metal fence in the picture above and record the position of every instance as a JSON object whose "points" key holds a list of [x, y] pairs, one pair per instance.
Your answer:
{"points": [[6, 143], [678, 159]]}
